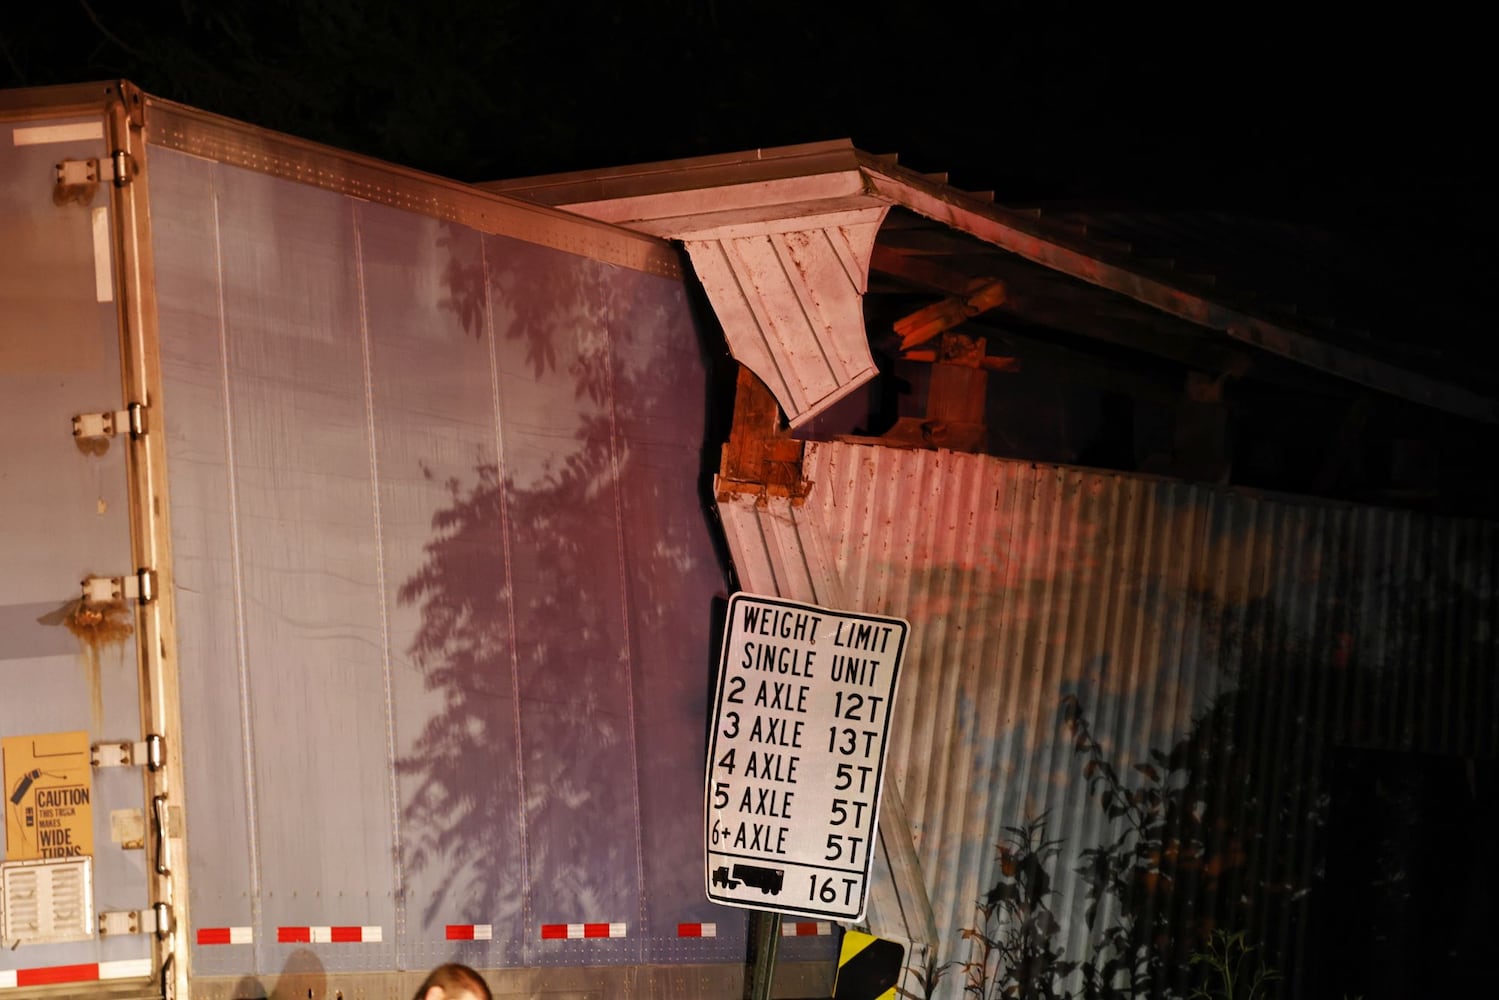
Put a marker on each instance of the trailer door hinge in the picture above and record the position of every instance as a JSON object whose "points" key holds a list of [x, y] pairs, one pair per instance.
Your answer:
{"points": [[140, 586], [157, 920], [131, 420], [78, 180], [149, 753], [73, 174], [124, 167]]}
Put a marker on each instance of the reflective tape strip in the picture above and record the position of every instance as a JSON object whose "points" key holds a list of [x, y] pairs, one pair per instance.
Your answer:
{"points": [[49, 974], [132, 968], [104, 285], [52, 975], [40, 135], [573, 932], [697, 930], [805, 928], [329, 935], [226, 935], [470, 932]]}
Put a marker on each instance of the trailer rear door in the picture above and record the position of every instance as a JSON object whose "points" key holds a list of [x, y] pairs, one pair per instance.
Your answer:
{"points": [[74, 903]]}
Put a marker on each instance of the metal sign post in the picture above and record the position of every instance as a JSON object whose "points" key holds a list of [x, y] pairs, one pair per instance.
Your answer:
{"points": [[797, 757], [765, 941]]}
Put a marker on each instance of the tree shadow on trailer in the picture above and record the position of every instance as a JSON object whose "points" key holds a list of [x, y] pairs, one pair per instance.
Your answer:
{"points": [[565, 600]]}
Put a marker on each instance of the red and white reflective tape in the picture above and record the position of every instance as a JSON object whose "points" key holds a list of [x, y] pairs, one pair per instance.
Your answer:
{"points": [[53, 975], [805, 928], [573, 932], [328, 935], [697, 930], [470, 932], [226, 935]]}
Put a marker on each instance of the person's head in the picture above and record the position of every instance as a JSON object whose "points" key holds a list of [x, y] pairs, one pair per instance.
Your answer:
{"points": [[453, 982]]}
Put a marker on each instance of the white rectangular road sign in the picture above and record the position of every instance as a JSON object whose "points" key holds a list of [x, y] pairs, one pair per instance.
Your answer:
{"points": [[797, 757]]}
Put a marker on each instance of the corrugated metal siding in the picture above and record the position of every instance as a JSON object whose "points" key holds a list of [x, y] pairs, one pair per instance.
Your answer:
{"points": [[1252, 635]]}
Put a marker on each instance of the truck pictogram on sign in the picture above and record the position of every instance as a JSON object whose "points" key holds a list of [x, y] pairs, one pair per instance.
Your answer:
{"points": [[767, 880]]}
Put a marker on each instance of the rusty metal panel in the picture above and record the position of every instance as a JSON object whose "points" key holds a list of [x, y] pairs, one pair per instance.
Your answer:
{"points": [[1090, 650]]}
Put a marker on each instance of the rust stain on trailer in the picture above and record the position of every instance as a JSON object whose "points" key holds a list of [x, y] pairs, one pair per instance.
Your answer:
{"points": [[96, 445], [80, 186], [99, 625], [96, 625]]}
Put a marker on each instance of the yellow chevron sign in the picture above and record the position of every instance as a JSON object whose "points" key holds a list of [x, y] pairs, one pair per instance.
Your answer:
{"points": [[868, 968]]}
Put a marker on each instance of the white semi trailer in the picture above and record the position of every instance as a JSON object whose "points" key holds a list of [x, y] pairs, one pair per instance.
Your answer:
{"points": [[357, 582]]}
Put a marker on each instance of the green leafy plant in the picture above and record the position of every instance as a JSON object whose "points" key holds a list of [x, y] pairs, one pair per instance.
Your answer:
{"points": [[1015, 943], [1182, 828], [928, 976], [1232, 971]]}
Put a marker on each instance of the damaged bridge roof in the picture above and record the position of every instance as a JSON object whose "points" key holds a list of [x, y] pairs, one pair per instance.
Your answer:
{"points": [[1290, 305]]}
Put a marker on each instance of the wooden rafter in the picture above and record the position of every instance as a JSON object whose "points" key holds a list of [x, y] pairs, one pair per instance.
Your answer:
{"points": [[939, 317]]}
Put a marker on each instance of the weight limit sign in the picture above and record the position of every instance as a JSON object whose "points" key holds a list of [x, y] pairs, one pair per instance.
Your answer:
{"points": [[797, 757]]}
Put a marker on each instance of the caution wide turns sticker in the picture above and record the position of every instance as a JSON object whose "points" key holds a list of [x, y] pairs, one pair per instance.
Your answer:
{"points": [[48, 796]]}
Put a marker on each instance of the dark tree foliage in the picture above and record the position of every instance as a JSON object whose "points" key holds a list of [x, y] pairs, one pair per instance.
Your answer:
{"points": [[1036, 101], [381, 77]]}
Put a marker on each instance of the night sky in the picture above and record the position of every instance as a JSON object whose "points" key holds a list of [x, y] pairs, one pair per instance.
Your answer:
{"points": [[1217, 105], [1376, 128]]}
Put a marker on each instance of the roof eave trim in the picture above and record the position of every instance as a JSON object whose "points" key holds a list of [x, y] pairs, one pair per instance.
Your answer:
{"points": [[988, 223]]}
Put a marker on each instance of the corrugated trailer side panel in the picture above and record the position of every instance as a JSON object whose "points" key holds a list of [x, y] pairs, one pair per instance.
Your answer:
{"points": [[302, 557], [576, 747], [668, 558], [432, 391], [206, 552], [445, 583]]}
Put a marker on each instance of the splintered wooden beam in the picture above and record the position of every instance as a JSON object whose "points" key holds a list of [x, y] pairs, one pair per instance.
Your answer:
{"points": [[760, 457], [965, 352], [988, 362], [939, 317], [1194, 352]]}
